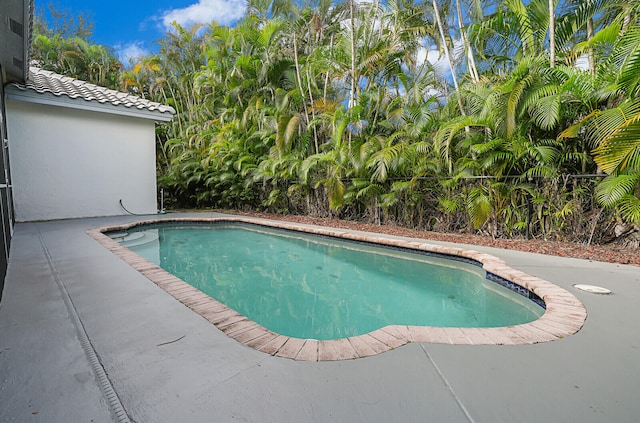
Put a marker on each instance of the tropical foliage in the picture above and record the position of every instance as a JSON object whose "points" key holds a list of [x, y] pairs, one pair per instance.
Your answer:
{"points": [[528, 125]]}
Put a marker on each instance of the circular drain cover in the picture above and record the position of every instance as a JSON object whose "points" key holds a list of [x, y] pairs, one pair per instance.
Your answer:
{"points": [[593, 289]]}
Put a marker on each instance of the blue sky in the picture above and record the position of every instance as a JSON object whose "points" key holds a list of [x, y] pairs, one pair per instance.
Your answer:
{"points": [[131, 27]]}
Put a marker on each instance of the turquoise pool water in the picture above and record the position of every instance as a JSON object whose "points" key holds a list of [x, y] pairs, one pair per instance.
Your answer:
{"points": [[312, 287]]}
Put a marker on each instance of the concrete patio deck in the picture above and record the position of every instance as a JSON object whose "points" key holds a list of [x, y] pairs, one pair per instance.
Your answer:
{"points": [[86, 338]]}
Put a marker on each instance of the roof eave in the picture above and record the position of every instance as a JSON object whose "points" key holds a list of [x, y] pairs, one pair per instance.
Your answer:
{"points": [[30, 96]]}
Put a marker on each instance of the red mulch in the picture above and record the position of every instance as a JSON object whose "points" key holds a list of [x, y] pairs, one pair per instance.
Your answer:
{"points": [[605, 253]]}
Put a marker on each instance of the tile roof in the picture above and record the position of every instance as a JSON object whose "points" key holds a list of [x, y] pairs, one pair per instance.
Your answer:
{"points": [[43, 81]]}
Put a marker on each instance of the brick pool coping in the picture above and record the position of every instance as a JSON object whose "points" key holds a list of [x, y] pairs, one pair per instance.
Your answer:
{"points": [[564, 315]]}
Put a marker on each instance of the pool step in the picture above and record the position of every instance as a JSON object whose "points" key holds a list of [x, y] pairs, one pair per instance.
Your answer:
{"points": [[135, 239]]}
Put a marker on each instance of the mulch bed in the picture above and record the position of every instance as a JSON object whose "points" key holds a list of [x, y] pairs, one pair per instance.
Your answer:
{"points": [[604, 253]]}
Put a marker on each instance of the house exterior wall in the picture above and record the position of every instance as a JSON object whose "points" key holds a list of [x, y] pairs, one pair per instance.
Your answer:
{"points": [[6, 204], [70, 163]]}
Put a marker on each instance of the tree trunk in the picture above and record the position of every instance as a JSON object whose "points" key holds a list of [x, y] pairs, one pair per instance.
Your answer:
{"points": [[473, 71], [591, 53], [313, 112], [446, 53], [352, 92], [627, 17], [326, 76], [552, 35], [299, 80]]}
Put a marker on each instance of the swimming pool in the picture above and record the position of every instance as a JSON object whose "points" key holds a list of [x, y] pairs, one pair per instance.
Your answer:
{"points": [[324, 288], [475, 280]]}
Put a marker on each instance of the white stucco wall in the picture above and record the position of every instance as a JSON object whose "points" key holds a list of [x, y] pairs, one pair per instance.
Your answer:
{"points": [[69, 163]]}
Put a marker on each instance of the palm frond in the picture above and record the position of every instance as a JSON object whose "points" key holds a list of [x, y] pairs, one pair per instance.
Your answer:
{"points": [[611, 190], [478, 206], [546, 112], [629, 207], [620, 148]]}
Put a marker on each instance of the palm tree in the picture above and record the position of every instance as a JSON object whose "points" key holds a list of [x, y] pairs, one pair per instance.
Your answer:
{"points": [[326, 109], [77, 58], [443, 38], [615, 131]]}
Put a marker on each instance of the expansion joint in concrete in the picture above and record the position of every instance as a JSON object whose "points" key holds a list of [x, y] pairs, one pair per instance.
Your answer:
{"points": [[448, 385], [115, 405]]}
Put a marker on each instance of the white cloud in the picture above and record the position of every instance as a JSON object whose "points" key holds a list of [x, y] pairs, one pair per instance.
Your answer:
{"points": [[439, 62], [224, 12], [432, 55], [128, 53], [582, 62]]}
